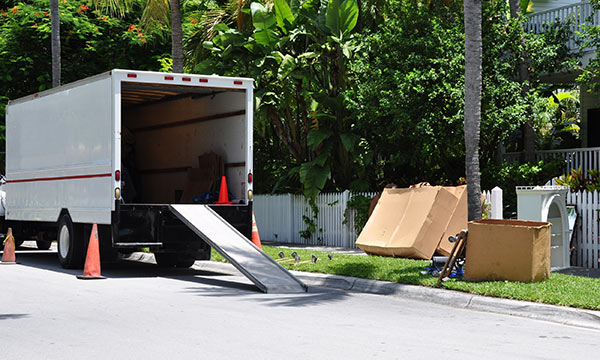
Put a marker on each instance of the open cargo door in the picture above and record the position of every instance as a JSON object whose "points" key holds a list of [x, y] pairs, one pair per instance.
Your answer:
{"points": [[257, 266]]}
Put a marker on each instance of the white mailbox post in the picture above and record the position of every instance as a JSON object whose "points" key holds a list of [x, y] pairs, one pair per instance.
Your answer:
{"points": [[548, 203]]}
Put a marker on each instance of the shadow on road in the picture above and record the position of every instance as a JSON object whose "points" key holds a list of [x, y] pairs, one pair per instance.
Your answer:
{"points": [[13, 316], [218, 284], [314, 296]]}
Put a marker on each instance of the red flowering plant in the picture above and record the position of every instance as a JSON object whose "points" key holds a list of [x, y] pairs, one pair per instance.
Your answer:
{"points": [[91, 42]]}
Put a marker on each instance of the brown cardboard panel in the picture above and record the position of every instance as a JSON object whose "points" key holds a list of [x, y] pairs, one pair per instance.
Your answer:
{"points": [[458, 220], [385, 218], [513, 250], [198, 182], [408, 222]]}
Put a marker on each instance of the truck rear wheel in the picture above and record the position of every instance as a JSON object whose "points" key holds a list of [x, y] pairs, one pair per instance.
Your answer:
{"points": [[180, 260], [71, 246]]}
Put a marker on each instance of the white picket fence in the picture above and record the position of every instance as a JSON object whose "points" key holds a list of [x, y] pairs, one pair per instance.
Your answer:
{"points": [[586, 236], [494, 198], [280, 218]]}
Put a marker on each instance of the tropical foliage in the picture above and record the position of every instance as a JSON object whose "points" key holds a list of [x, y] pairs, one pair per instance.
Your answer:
{"points": [[298, 53], [349, 94]]}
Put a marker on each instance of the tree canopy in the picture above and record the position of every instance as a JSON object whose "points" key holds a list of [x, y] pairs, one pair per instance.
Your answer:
{"points": [[349, 94]]}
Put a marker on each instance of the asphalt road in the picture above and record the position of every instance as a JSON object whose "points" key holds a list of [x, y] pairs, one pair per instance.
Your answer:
{"points": [[144, 312]]}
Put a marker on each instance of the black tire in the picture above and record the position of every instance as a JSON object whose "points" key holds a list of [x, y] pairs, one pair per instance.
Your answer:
{"points": [[42, 243], [71, 247], [179, 260]]}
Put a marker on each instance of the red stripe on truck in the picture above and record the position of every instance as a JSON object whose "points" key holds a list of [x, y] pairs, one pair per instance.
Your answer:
{"points": [[61, 178]]}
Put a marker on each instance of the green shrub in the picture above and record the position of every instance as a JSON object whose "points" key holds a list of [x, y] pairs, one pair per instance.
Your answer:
{"points": [[508, 176]]}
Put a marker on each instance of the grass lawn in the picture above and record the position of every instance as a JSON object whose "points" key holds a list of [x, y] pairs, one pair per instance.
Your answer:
{"points": [[568, 290]]}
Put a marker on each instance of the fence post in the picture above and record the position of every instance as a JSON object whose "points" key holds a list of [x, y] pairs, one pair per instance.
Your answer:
{"points": [[290, 206], [496, 203], [345, 238]]}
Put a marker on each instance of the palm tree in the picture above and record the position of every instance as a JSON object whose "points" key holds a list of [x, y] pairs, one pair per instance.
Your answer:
{"points": [[176, 37], [473, 85], [55, 40]]}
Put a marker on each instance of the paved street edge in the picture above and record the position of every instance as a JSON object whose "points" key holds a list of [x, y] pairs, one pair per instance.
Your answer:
{"points": [[553, 313]]}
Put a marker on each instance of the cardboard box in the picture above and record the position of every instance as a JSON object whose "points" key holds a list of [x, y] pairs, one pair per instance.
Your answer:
{"points": [[458, 220], [408, 222], [513, 250]]}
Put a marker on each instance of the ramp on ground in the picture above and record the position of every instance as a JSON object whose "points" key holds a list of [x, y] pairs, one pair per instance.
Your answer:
{"points": [[257, 266]]}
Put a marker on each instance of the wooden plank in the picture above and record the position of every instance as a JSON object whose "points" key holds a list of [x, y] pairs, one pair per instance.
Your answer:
{"points": [[236, 164], [164, 170], [190, 121]]}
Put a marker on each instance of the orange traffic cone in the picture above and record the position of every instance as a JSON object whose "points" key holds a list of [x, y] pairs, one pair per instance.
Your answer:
{"points": [[91, 269], [255, 235], [8, 256], [223, 196]]}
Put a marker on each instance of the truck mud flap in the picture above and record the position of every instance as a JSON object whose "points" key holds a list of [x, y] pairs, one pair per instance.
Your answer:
{"points": [[257, 266]]}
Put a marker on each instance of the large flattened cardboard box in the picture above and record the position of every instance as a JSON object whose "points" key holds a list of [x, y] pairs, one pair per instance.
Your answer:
{"points": [[408, 222], [458, 219], [513, 250]]}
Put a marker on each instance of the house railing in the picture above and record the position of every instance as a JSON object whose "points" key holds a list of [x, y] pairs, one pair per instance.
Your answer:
{"points": [[575, 15], [584, 158]]}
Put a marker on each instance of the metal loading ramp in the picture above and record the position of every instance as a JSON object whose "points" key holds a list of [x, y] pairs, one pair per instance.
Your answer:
{"points": [[257, 266]]}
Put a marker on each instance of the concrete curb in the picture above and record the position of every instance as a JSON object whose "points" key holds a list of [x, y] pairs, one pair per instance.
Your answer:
{"points": [[553, 313]]}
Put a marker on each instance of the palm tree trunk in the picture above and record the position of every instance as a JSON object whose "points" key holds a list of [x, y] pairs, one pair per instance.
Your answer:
{"points": [[473, 84], [176, 37], [55, 40]]}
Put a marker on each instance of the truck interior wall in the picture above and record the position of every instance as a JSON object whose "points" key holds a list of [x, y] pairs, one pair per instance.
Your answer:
{"points": [[164, 151]]}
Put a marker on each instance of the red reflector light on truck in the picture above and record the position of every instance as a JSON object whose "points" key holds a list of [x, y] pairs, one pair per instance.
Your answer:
{"points": [[186, 79], [169, 78], [203, 80], [249, 178], [237, 82], [117, 175], [131, 75]]}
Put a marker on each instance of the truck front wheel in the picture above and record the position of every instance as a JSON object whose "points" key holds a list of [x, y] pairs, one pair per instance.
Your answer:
{"points": [[180, 260], [42, 243], [71, 246]]}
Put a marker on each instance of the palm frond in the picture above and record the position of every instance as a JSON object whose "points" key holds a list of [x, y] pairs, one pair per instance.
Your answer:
{"points": [[156, 12], [113, 7]]}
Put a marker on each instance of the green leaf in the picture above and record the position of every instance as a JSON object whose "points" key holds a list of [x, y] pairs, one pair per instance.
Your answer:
{"points": [[261, 18], [277, 56], [314, 177], [316, 137], [341, 18], [349, 141], [266, 37], [348, 16], [288, 64], [332, 16], [308, 55], [283, 13], [221, 27], [322, 159], [208, 45]]}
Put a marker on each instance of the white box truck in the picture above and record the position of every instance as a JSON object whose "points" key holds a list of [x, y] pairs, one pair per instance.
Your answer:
{"points": [[120, 149]]}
